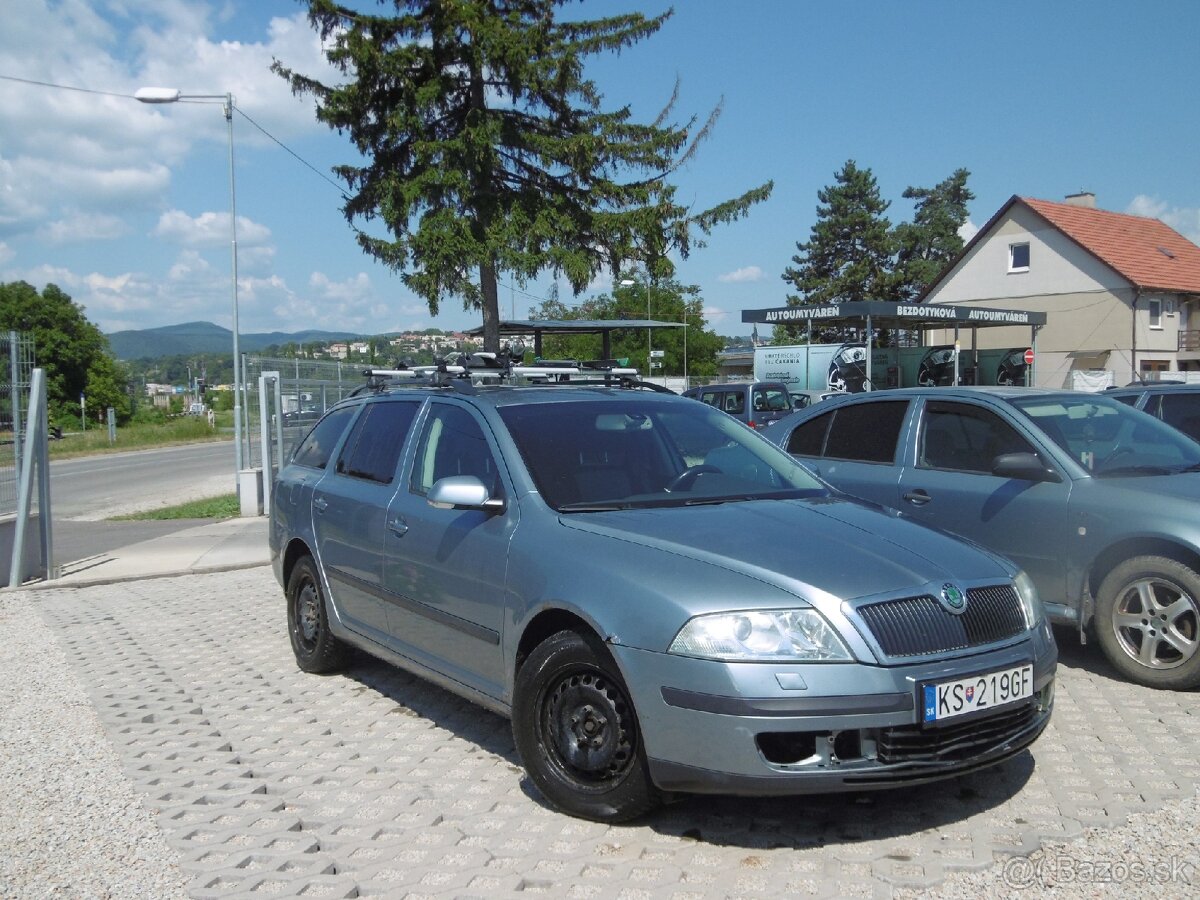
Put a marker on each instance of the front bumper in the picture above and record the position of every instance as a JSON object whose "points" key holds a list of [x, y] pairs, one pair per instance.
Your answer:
{"points": [[764, 729]]}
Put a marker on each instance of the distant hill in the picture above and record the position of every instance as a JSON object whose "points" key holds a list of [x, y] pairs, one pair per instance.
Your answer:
{"points": [[205, 337]]}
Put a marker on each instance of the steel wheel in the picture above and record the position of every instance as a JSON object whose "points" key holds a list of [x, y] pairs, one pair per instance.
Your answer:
{"points": [[316, 648], [1148, 621], [586, 725], [577, 731]]}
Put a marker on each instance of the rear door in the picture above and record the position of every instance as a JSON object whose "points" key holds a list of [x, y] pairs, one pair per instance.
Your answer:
{"points": [[947, 482], [349, 513], [856, 447]]}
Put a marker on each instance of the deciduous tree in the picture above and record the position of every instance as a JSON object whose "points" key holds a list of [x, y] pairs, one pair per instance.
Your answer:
{"points": [[66, 345]]}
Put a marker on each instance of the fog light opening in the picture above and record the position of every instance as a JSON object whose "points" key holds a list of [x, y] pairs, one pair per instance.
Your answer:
{"points": [[847, 745], [785, 748]]}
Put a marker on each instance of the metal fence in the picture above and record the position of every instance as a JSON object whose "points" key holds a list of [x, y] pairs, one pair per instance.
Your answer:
{"points": [[307, 388], [16, 366]]}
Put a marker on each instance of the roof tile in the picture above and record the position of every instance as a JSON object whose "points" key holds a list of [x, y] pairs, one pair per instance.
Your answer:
{"points": [[1132, 245]]}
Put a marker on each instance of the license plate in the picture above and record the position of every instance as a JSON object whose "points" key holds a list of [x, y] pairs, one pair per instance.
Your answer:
{"points": [[948, 699]]}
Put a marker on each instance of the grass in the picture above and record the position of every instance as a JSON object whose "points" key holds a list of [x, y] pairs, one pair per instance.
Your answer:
{"points": [[224, 507], [185, 429]]}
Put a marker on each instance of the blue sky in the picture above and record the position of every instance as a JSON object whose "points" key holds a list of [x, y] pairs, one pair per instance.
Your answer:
{"points": [[125, 206]]}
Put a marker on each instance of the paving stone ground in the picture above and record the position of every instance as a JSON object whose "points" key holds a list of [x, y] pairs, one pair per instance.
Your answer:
{"points": [[268, 781]]}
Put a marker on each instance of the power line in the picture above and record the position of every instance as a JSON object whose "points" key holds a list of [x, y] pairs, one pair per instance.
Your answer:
{"points": [[294, 154], [82, 90], [66, 87]]}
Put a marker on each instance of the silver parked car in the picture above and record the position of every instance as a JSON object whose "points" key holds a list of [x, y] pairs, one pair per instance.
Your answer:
{"points": [[661, 600], [1095, 501]]}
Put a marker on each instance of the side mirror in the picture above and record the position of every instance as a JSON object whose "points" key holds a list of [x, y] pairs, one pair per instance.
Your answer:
{"points": [[462, 492], [1026, 466]]}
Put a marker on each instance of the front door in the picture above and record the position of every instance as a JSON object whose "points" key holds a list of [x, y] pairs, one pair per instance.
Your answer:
{"points": [[445, 568]]}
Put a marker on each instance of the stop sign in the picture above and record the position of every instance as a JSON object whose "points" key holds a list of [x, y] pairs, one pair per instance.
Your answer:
{"points": [[1029, 357]]}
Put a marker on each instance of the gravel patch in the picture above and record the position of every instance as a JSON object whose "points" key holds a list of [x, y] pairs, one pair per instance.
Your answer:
{"points": [[71, 824]]}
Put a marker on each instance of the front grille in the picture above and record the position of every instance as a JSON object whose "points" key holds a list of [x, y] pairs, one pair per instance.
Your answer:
{"points": [[919, 626], [952, 743]]}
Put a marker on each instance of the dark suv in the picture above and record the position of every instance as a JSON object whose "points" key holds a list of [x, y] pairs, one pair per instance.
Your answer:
{"points": [[1176, 404], [756, 403]]}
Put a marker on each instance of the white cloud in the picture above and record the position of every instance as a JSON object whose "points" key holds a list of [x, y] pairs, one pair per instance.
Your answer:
{"points": [[742, 276], [714, 314], [209, 229], [81, 226], [1183, 219], [967, 230]]}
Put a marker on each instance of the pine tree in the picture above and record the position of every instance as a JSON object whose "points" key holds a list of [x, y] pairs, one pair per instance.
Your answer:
{"points": [[848, 256], [486, 150], [932, 240]]}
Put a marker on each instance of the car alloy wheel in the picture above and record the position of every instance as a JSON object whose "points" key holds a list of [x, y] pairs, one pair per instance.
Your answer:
{"points": [[1148, 621]]}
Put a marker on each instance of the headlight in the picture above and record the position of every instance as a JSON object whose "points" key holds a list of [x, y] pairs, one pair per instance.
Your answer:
{"points": [[1031, 604], [784, 635]]}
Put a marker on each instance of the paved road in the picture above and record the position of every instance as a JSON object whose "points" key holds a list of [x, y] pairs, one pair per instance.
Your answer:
{"points": [[374, 783], [97, 487]]}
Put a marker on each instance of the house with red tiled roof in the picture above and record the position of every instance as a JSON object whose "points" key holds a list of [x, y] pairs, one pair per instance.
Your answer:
{"points": [[1121, 293]]}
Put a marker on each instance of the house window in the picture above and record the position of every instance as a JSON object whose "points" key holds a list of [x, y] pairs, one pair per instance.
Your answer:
{"points": [[1018, 257], [1154, 308]]}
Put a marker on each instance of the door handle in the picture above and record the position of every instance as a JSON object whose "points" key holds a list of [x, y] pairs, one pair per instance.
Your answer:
{"points": [[320, 504], [917, 497], [398, 527]]}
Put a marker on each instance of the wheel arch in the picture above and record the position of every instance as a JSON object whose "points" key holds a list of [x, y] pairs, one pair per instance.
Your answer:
{"points": [[1130, 548], [544, 624], [293, 553]]}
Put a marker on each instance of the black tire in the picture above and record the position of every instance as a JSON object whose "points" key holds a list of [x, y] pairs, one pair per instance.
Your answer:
{"points": [[1148, 622], [577, 731], [317, 649]]}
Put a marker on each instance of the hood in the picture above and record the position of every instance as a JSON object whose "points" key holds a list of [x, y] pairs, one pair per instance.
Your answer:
{"points": [[840, 546]]}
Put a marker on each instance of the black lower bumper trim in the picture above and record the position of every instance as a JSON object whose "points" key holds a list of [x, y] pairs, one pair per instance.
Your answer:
{"points": [[677, 777]]}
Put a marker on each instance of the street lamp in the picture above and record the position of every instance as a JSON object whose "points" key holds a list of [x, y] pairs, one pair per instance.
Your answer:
{"points": [[172, 95], [626, 282]]}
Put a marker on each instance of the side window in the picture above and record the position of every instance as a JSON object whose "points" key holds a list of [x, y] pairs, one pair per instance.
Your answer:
{"points": [[809, 439], [772, 399], [712, 398], [373, 447], [453, 444], [734, 402], [965, 438], [867, 432], [1182, 411], [314, 451], [1132, 399]]}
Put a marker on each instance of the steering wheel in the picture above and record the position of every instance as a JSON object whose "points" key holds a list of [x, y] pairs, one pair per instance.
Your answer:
{"points": [[684, 479]]}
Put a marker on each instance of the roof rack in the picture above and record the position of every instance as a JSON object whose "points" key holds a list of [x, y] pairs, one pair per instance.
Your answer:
{"points": [[465, 372]]}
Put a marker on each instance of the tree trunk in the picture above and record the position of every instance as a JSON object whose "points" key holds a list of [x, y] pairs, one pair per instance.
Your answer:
{"points": [[491, 308]]}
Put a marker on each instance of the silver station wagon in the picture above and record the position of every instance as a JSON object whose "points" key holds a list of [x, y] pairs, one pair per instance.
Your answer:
{"points": [[661, 600]]}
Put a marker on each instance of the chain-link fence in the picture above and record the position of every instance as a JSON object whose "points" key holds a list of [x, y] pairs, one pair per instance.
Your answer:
{"points": [[307, 388], [16, 366]]}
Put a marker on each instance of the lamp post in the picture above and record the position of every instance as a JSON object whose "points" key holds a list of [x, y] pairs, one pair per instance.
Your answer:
{"points": [[172, 95], [626, 282]]}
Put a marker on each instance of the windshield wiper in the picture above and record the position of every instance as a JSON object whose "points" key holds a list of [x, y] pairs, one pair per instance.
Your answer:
{"points": [[593, 507], [1194, 467], [1135, 470]]}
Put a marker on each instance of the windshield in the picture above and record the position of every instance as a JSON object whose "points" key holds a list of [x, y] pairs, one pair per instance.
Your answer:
{"points": [[1109, 439], [591, 456]]}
